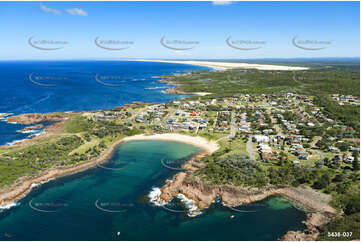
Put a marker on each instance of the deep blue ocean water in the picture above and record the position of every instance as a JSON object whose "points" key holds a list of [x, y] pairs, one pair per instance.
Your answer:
{"points": [[92, 85], [74, 215], [58, 86]]}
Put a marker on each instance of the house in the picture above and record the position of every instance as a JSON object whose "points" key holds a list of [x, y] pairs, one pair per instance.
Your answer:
{"points": [[303, 155], [333, 149], [349, 159], [260, 138], [203, 126], [267, 131], [193, 113], [354, 149], [310, 124]]}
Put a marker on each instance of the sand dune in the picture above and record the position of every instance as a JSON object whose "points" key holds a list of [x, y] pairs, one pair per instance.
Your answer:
{"points": [[231, 65]]}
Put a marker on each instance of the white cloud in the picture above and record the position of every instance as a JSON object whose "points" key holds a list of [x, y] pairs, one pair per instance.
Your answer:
{"points": [[221, 2], [77, 11], [49, 10]]}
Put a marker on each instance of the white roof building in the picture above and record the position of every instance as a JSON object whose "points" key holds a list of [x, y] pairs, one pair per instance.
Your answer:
{"points": [[260, 138]]}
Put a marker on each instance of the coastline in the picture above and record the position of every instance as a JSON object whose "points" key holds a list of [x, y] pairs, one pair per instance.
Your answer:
{"points": [[227, 193], [229, 65], [196, 191], [208, 146], [18, 190], [203, 195]]}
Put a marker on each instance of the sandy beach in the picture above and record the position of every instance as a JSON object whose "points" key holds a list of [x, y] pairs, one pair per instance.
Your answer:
{"points": [[208, 146], [196, 191], [230, 65], [23, 186]]}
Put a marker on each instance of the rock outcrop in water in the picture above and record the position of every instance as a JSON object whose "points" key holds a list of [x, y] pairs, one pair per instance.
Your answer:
{"points": [[33, 118], [31, 128], [203, 194], [313, 222]]}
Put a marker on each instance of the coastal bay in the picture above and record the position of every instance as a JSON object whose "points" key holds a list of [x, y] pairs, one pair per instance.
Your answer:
{"points": [[73, 199], [86, 141]]}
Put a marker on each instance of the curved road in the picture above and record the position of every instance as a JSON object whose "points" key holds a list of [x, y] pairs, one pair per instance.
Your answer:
{"points": [[249, 148]]}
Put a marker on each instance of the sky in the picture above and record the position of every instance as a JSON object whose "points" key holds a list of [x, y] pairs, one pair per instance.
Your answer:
{"points": [[178, 30]]}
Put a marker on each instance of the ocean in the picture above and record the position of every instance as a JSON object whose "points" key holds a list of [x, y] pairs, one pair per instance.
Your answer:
{"points": [[112, 203], [60, 86]]}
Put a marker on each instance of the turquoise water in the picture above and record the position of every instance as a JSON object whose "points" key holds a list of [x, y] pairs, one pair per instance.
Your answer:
{"points": [[113, 204]]}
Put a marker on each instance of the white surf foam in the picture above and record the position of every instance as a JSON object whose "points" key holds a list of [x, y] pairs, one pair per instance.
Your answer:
{"points": [[38, 184], [8, 206], [14, 142], [190, 205], [28, 131], [154, 197]]}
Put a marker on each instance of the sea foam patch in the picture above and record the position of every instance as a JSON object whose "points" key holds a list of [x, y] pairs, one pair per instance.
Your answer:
{"points": [[154, 197], [8, 205], [190, 205], [14, 142]]}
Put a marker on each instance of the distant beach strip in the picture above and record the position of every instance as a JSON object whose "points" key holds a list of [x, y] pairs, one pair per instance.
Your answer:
{"points": [[229, 65]]}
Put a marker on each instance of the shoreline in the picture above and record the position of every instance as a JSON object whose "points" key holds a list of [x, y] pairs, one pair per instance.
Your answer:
{"points": [[21, 188], [208, 146], [217, 65], [200, 194], [203, 195]]}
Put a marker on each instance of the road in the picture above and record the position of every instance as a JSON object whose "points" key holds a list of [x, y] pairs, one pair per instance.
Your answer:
{"points": [[197, 129], [233, 126], [249, 148], [316, 139], [320, 154]]}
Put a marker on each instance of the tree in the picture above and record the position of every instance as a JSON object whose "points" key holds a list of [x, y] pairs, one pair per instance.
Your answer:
{"points": [[353, 205], [322, 182], [355, 164]]}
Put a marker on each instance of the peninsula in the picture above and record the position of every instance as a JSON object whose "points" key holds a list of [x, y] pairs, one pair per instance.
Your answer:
{"points": [[262, 133]]}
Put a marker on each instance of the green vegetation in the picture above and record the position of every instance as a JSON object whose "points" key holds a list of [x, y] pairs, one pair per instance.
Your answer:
{"points": [[77, 124], [348, 228], [234, 169], [325, 129], [81, 139], [319, 82]]}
